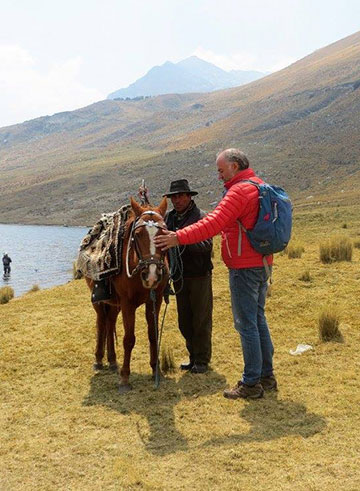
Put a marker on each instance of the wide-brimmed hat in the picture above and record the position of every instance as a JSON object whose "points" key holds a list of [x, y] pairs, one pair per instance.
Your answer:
{"points": [[180, 186]]}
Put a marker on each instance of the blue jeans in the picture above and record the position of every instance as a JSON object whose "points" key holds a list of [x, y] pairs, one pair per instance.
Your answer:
{"points": [[248, 288]]}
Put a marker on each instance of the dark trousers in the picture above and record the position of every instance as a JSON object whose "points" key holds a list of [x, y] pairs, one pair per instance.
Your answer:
{"points": [[7, 269], [194, 306]]}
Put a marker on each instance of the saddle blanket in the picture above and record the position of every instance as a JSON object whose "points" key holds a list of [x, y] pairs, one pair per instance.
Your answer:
{"points": [[100, 250]]}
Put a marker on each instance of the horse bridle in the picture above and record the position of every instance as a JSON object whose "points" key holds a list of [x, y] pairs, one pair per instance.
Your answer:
{"points": [[144, 262]]}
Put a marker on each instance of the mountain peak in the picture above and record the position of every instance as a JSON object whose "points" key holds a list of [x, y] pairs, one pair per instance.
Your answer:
{"points": [[189, 75]]}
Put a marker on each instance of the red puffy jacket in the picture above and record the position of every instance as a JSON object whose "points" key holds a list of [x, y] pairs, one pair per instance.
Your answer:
{"points": [[240, 204]]}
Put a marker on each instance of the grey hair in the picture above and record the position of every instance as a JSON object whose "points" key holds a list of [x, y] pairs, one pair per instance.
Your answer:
{"points": [[237, 156]]}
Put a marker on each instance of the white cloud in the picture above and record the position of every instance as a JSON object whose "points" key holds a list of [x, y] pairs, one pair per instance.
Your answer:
{"points": [[242, 60], [27, 92], [234, 61]]}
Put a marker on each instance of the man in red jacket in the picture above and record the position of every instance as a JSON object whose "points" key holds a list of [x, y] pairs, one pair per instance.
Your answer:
{"points": [[247, 273]]}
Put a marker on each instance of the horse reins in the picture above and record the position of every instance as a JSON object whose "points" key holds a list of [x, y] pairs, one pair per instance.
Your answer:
{"points": [[143, 262]]}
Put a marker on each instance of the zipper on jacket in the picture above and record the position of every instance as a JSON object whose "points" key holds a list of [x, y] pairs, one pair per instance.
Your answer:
{"points": [[240, 238], [227, 246]]}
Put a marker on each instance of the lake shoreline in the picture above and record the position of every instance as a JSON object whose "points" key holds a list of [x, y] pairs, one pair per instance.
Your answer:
{"points": [[41, 255]]}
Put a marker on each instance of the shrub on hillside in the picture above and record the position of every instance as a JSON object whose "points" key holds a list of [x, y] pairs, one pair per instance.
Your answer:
{"points": [[338, 248], [329, 321], [295, 250], [6, 294]]}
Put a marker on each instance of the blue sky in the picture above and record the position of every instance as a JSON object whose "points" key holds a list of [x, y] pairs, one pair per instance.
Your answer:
{"points": [[61, 55]]}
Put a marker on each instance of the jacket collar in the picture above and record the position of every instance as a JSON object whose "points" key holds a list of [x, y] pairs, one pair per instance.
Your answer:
{"points": [[240, 176]]}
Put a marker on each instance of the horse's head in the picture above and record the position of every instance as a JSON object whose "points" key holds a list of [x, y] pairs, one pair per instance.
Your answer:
{"points": [[148, 223]]}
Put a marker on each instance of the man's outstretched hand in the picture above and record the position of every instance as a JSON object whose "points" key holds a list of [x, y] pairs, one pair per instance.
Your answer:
{"points": [[166, 240]]}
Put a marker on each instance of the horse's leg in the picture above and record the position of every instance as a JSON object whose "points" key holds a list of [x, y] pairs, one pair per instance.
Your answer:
{"points": [[101, 315], [128, 314], [149, 312], [110, 335]]}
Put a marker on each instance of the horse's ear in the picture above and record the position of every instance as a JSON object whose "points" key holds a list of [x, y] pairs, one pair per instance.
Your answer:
{"points": [[136, 207], [163, 206]]}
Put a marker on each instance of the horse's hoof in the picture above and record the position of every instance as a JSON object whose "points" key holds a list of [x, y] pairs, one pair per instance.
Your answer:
{"points": [[113, 367], [123, 388], [98, 366]]}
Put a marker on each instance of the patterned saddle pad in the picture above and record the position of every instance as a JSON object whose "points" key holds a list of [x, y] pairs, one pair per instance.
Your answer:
{"points": [[100, 250]]}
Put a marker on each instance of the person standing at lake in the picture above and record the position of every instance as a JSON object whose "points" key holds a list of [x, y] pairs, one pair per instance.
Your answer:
{"points": [[191, 267], [194, 297], [247, 273], [6, 264]]}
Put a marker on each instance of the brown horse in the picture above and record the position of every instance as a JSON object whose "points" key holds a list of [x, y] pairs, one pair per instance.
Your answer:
{"points": [[144, 269]]}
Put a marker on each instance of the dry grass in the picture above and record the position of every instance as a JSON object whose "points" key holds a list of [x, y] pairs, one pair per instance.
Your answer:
{"points": [[338, 248], [6, 294], [305, 276], [329, 322], [295, 250], [167, 361], [65, 428]]}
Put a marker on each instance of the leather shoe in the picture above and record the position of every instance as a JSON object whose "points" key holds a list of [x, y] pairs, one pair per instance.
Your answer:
{"points": [[199, 369], [187, 366]]}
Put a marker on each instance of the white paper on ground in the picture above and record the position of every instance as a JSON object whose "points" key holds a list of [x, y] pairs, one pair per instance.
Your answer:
{"points": [[300, 348]]}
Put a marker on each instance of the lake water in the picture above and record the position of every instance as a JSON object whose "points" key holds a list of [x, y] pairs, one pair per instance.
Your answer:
{"points": [[41, 255]]}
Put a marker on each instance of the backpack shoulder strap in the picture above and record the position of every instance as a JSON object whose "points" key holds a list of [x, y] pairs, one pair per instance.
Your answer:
{"points": [[238, 221], [257, 184]]}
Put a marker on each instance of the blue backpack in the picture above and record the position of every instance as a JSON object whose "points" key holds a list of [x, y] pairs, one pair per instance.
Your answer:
{"points": [[272, 229]]}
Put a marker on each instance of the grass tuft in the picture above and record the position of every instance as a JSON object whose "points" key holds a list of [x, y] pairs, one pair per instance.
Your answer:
{"points": [[295, 251], [34, 288], [356, 243], [6, 294], [329, 321], [305, 276], [167, 362], [338, 248]]}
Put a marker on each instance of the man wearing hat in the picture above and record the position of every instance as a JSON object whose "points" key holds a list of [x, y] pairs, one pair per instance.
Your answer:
{"points": [[191, 269]]}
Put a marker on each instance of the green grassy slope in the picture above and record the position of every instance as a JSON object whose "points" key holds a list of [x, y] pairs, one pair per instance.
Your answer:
{"points": [[299, 126]]}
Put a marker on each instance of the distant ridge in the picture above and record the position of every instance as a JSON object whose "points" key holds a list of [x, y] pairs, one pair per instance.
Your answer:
{"points": [[189, 75]]}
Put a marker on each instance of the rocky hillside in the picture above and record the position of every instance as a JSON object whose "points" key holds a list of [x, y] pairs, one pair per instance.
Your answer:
{"points": [[299, 127]]}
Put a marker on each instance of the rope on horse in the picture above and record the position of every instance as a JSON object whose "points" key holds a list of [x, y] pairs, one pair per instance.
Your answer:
{"points": [[157, 336], [176, 267]]}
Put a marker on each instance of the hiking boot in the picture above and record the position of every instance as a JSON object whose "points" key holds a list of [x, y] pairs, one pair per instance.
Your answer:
{"points": [[199, 368], [243, 391], [187, 366], [269, 383]]}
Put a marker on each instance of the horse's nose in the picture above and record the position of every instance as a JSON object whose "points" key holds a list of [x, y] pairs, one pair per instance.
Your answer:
{"points": [[150, 277]]}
